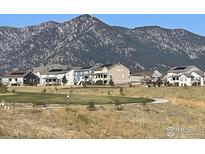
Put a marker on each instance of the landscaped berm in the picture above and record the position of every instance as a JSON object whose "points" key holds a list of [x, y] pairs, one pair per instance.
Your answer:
{"points": [[102, 112]]}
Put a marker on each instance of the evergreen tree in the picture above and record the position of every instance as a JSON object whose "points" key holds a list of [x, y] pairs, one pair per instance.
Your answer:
{"points": [[64, 80]]}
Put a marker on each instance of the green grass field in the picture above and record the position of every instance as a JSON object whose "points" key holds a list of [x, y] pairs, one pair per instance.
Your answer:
{"points": [[49, 98], [181, 95]]}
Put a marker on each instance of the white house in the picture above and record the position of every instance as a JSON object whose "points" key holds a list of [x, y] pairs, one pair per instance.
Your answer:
{"points": [[155, 75], [83, 75], [49, 74], [70, 75], [185, 76], [19, 78], [138, 78], [53, 74], [101, 74]]}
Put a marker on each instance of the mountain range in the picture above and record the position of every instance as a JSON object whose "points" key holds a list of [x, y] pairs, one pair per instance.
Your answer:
{"points": [[86, 40]]}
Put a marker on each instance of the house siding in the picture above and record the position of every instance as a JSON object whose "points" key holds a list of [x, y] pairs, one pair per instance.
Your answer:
{"points": [[119, 74], [30, 79]]}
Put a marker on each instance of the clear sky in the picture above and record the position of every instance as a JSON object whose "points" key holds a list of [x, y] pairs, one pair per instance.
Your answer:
{"points": [[193, 23]]}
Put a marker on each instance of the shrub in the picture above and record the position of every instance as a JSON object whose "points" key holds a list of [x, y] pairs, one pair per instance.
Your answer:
{"points": [[118, 106], [84, 85], [83, 118], [148, 82], [3, 89], [71, 92], [56, 89], [38, 104], [99, 82], [130, 85], [111, 83], [64, 80], [91, 106], [185, 86], [44, 90], [167, 84], [158, 83], [13, 91], [176, 84], [122, 91], [144, 103]]}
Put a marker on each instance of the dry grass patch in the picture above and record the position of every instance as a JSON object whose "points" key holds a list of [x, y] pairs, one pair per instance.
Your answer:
{"points": [[135, 121]]}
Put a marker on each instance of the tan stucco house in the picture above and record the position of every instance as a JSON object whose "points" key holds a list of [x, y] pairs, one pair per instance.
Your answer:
{"points": [[119, 73]]}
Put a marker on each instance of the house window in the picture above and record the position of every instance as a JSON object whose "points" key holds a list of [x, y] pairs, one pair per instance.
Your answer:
{"points": [[10, 79], [16, 79]]}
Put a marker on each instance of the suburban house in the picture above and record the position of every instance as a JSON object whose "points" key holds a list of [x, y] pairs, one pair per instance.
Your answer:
{"points": [[118, 73], [83, 75], [19, 78], [156, 75], [138, 78], [54, 74], [185, 76], [70, 74], [50, 74]]}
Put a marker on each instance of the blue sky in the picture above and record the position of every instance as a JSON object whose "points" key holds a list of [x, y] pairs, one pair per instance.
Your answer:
{"points": [[193, 23]]}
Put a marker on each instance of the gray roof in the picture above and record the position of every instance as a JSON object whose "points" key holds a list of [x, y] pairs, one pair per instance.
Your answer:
{"points": [[16, 74], [180, 69], [54, 69], [188, 75], [201, 73], [145, 73], [108, 66]]}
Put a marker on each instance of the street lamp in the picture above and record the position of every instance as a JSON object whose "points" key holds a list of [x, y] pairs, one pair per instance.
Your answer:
{"points": [[67, 98]]}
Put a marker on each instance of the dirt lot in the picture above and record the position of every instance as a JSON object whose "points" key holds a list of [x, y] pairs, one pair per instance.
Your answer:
{"points": [[134, 121]]}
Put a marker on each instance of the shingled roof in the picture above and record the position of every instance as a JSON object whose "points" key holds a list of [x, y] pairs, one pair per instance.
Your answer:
{"points": [[108, 66], [16, 74], [180, 69]]}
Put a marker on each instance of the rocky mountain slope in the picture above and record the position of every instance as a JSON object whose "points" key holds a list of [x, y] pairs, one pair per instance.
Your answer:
{"points": [[85, 40]]}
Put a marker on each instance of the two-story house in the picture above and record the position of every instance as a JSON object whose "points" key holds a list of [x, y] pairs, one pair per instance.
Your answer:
{"points": [[185, 76]]}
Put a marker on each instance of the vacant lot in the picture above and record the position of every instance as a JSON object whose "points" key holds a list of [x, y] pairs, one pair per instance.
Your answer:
{"points": [[134, 121], [137, 120]]}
